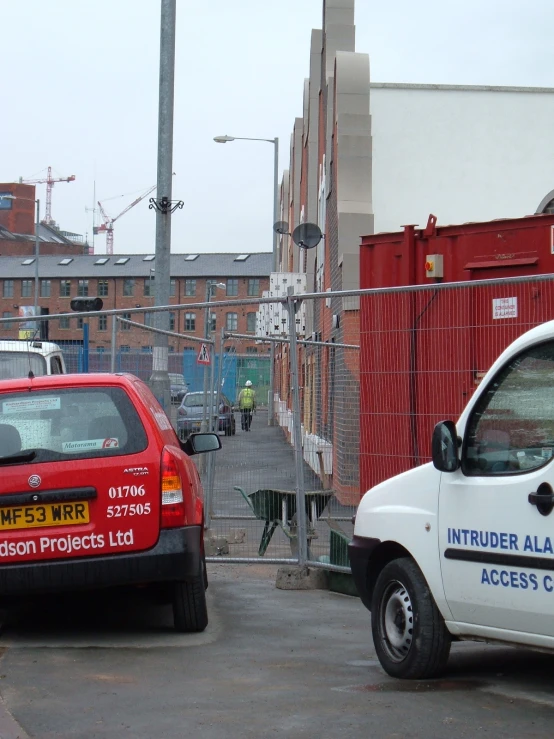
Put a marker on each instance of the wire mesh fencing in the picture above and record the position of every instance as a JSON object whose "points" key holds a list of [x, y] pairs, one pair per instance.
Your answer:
{"points": [[343, 392]]}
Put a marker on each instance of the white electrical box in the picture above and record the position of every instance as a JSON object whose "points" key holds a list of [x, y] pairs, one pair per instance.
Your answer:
{"points": [[434, 266]]}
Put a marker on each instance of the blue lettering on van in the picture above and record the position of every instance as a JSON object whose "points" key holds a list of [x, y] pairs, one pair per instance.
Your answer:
{"points": [[484, 539], [515, 579]]}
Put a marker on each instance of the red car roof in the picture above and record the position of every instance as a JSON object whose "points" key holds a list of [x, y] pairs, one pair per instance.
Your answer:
{"points": [[91, 379]]}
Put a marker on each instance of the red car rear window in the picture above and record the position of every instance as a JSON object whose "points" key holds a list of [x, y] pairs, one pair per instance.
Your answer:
{"points": [[69, 423]]}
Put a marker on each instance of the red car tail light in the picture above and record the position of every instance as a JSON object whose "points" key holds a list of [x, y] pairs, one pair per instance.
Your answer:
{"points": [[173, 505]]}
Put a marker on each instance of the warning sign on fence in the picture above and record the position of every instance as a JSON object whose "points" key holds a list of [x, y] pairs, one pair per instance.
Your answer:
{"points": [[504, 308], [203, 355]]}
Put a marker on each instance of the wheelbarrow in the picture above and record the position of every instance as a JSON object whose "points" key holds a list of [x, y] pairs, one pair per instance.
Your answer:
{"points": [[278, 508]]}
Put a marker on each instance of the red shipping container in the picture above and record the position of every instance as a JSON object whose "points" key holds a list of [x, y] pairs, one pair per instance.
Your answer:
{"points": [[424, 352]]}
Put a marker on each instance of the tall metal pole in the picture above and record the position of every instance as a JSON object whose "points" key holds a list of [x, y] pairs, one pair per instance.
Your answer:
{"points": [[302, 530], [160, 378], [275, 268], [38, 324]]}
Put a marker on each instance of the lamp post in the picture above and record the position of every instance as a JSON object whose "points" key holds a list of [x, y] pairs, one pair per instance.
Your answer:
{"points": [[275, 262], [37, 202]]}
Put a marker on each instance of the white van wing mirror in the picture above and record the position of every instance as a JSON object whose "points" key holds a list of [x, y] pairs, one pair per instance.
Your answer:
{"points": [[445, 447]]}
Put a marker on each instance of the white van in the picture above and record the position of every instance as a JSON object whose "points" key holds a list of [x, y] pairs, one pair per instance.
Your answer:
{"points": [[463, 547], [18, 358]]}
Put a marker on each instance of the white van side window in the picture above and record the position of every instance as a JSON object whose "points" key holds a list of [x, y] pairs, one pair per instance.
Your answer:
{"points": [[56, 366], [511, 429]]}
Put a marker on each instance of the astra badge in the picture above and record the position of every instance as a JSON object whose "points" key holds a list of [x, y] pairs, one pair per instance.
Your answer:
{"points": [[136, 471], [34, 481]]}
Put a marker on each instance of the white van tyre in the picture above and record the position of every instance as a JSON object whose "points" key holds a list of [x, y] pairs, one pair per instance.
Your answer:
{"points": [[190, 610], [409, 633]]}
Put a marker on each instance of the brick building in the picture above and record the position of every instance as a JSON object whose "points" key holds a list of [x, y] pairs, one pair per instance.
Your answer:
{"points": [[126, 282], [18, 223]]}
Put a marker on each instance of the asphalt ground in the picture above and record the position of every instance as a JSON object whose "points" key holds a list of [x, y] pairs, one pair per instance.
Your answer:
{"points": [[271, 663]]}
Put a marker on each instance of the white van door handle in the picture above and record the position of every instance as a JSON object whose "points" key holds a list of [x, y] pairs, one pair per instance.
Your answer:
{"points": [[543, 499]]}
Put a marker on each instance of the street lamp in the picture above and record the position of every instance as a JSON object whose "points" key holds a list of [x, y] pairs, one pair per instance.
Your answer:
{"points": [[37, 201], [275, 266]]}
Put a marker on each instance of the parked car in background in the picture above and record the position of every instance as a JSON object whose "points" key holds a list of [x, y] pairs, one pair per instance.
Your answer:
{"points": [[18, 358], [191, 413], [96, 491], [178, 387]]}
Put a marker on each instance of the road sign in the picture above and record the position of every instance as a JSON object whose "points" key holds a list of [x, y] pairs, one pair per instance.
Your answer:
{"points": [[203, 355]]}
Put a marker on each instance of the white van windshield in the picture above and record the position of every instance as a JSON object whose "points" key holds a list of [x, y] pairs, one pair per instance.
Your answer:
{"points": [[19, 364]]}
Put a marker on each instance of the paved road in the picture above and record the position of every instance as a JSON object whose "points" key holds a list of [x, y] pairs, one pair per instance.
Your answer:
{"points": [[272, 663]]}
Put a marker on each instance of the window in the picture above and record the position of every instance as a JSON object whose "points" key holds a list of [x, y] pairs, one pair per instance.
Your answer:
{"points": [[102, 288], [67, 260], [172, 321], [191, 257], [146, 349], [251, 322], [232, 287], [190, 287], [8, 288], [80, 322], [6, 202], [148, 318], [251, 350], [65, 323], [149, 287], [190, 321], [124, 348], [102, 323], [511, 428], [242, 257], [65, 288], [172, 288], [26, 288], [128, 287], [232, 321], [213, 321], [149, 258], [125, 326], [122, 260], [7, 326], [102, 260], [26, 262], [254, 287], [82, 288], [45, 288]]}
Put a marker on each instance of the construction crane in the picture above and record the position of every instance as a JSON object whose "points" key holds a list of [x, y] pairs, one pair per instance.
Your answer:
{"points": [[49, 186], [107, 226]]}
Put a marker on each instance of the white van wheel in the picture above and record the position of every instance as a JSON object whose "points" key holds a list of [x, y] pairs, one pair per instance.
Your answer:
{"points": [[410, 637]]}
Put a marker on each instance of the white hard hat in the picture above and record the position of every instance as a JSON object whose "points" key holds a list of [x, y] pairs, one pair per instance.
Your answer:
{"points": [[248, 383]]}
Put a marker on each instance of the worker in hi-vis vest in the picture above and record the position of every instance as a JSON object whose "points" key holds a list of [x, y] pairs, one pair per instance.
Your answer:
{"points": [[247, 403]]}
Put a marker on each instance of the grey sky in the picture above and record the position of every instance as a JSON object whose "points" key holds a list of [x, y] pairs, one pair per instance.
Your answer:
{"points": [[80, 93]]}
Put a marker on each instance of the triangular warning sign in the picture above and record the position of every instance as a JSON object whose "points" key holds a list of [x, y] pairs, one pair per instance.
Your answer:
{"points": [[203, 355]]}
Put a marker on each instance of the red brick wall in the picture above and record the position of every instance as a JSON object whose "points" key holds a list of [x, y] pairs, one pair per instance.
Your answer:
{"points": [[134, 338], [20, 217]]}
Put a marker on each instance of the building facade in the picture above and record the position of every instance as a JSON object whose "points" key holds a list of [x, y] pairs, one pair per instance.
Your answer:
{"points": [[126, 282], [368, 157]]}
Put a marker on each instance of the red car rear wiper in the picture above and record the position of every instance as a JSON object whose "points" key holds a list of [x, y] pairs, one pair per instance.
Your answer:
{"points": [[18, 457]]}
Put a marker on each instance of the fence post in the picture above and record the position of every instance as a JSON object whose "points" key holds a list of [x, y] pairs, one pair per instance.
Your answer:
{"points": [[114, 343], [293, 303], [209, 492]]}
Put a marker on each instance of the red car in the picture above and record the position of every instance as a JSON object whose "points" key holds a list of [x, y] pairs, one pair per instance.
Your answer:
{"points": [[96, 490]]}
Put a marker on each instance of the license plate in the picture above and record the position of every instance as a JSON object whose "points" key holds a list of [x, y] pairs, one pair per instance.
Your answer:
{"points": [[48, 514]]}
